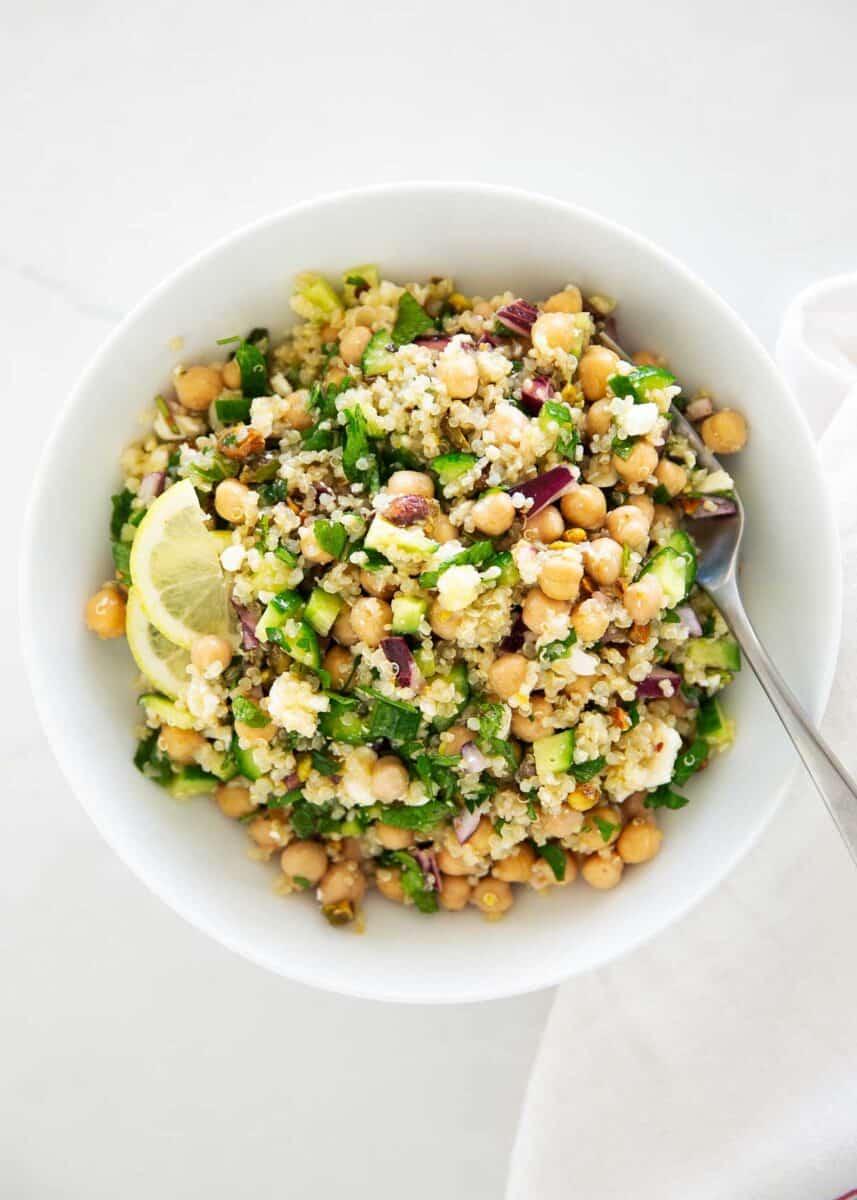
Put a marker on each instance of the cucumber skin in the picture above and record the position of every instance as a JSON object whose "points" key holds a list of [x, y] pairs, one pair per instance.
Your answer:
{"points": [[721, 654], [554, 754]]}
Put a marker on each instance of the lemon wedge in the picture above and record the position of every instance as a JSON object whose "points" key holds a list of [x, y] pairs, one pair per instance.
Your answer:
{"points": [[162, 662], [176, 570]]}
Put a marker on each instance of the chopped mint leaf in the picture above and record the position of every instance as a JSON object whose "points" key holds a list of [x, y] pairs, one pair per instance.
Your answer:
{"points": [[411, 320], [331, 536], [585, 771], [554, 856], [248, 713]]}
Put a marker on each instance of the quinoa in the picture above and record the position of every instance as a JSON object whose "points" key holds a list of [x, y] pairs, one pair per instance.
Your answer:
{"points": [[470, 652]]}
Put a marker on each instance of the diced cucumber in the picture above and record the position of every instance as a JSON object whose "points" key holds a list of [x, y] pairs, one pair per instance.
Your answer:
{"points": [[343, 724], [321, 300], [408, 612], [302, 645], [426, 662], [398, 544], [165, 712], [232, 409], [554, 754], [245, 761], [272, 575], [322, 610], [683, 543], [670, 569], [641, 382], [378, 357], [227, 767], [449, 467], [509, 575], [460, 680], [721, 654], [713, 724], [286, 605], [356, 279], [191, 781]]}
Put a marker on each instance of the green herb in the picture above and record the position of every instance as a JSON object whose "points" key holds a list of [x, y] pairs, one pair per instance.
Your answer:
{"points": [[285, 556], [420, 817], [660, 495], [258, 336], [227, 341], [272, 493], [305, 819], [484, 790], [502, 330], [301, 882], [289, 603], [254, 373], [232, 409], [392, 720], [474, 555], [331, 536], [517, 364], [633, 711], [214, 469], [122, 560], [605, 828], [152, 761], [623, 446], [568, 438], [531, 810], [413, 879], [555, 650], [121, 503], [295, 796], [357, 450], [708, 626], [318, 439], [411, 320], [357, 281], [248, 713], [663, 797], [489, 739], [585, 771], [499, 823], [626, 560], [165, 411], [690, 760], [375, 561], [262, 538], [396, 458], [554, 856], [433, 770], [323, 764], [670, 617]]}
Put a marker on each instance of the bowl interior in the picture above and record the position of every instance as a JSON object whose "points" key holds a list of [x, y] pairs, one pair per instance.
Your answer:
{"points": [[489, 239]]}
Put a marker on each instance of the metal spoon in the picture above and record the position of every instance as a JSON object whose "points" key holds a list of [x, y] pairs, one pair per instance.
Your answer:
{"points": [[719, 541]]}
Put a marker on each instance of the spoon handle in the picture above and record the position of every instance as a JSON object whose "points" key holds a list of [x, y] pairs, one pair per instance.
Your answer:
{"points": [[836, 787]]}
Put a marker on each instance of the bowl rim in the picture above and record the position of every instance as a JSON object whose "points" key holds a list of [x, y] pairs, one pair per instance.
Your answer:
{"points": [[815, 702]]}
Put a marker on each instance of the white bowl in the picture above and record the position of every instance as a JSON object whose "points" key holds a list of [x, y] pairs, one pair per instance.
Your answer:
{"points": [[489, 239]]}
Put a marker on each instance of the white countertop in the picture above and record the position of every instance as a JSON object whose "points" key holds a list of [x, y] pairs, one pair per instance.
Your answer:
{"points": [[139, 1058]]}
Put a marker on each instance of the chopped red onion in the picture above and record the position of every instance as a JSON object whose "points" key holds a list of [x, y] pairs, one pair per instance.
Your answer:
{"points": [[706, 507], [519, 316], [249, 641], [465, 825], [433, 341], [472, 758], [650, 688], [291, 781], [534, 392], [430, 869], [397, 652], [689, 620], [514, 640], [699, 409], [152, 485], [488, 339], [544, 489]]}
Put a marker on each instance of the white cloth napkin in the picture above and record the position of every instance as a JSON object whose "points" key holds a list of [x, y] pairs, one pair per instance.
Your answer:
{"points": [[720, 1061]]}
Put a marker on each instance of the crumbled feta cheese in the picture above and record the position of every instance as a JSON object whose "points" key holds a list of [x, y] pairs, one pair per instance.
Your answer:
{"points": [[232, 558], [640, 419], [716, 481], [203, 698], [458, 587], [294, 704], [581, 662], [355, 787], [262, 413]]}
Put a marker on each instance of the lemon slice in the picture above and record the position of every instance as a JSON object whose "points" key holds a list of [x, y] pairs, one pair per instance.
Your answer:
{"points": [[162, 662], [176, 570]]}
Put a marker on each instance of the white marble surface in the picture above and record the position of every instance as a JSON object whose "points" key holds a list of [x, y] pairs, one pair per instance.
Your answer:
{"points": [[138, 1058]]}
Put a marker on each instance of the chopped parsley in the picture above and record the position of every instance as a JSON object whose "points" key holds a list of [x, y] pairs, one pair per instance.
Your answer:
{"points": [[357, 451], [393, 720], [568, 437], [554, 856], [248, 713], [411, 320], [690, 760], [122, 560], [254, 372], [475, 555], [585, 771], [121, 503], [663, 797], [420, 817], [605, 828], [556, 650], [414, 883], [331, 536], [623, 446]]}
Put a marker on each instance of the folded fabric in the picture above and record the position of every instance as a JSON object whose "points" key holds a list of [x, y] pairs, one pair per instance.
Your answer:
{"points": [[719, 1062]]}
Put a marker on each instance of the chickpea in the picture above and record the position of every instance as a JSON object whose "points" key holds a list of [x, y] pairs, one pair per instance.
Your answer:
{"points": [[724, 432], [569, 301], [590, 620], [444, 624], [393, 838], [560, 576], [339, 664], [459, 373], [366, 315], [197, 387], [517, 866], [671, 476], [492, 896], [334, 375], [353, 342], [602, 871], [296, 411], [561, 824], [542, 875], [255, 734], [370, 619], [342, 629], [599, 418], [211, 651], [378, 583], [628, 526], [494, 513], [450, 865], [442, 529], [603, 560], [639, 464], [352, 849], [231, 373], [388, 881], [105, 613], [507, 423], [640, 841], [506, 674], [455, 892], [310, 548], [182, 745], [585, 507], [411, 483], [596, 366], [304, 860], [539, 611], [644, 599], [537, 724], [233, 800], [480, 840], [556, 330], [483, 309], [665, 518], [230, 500], [269, 833], [601, 829], [452, 739], [644, 505], [390, 779], [342, 881], [584, 798], [547, 525]]}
